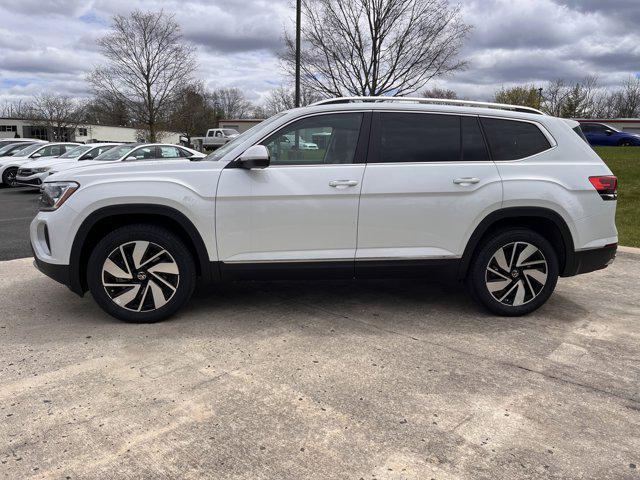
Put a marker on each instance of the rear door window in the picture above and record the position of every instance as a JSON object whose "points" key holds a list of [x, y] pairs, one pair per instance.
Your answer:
{"points": [[418, 137], [169, 152], [513, 139]]}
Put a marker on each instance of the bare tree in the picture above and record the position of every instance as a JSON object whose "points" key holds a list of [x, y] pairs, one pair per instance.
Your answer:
{"points": [[625, 102], [15, 109], [231, 103], [147, 65], [376, 47], [578, 100], [555, 97], [443, 93], [59, 114], [283, 98], [108, 109], [193, 111]]}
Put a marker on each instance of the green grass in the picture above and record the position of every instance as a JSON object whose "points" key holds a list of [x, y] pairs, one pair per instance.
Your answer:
{"points": [[624, 162]]}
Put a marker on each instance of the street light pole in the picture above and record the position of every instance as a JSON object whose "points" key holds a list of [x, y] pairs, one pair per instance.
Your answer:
{"points": [[298, 18], [540, 96]]}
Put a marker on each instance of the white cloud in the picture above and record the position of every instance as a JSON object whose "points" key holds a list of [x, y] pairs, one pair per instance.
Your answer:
{"points": [[50, 44]]}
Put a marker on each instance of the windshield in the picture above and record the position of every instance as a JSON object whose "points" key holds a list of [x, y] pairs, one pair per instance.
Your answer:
{"points": [[222, 151], [76, 152], [31, 148], [13, 147], [115, 153], [230, 132]]}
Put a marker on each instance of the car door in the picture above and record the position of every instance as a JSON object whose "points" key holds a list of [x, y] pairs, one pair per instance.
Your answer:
{"points": [[300, 213], [428, 180]]}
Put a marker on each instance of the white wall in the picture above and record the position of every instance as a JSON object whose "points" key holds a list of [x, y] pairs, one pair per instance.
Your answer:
{"points": [[102, 133]]}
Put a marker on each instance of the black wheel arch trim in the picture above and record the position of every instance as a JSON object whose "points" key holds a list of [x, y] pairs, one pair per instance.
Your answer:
{"points": [[78, 285], [568, 265]]}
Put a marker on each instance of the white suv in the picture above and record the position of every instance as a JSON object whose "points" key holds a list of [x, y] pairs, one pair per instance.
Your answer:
{"points": [[504, 198]]}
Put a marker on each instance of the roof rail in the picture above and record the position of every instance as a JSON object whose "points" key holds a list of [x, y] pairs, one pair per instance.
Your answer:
{"points": [[438, 101]]}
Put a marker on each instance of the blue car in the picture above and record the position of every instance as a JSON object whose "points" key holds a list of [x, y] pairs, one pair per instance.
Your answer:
{"points": [[603, 135]]}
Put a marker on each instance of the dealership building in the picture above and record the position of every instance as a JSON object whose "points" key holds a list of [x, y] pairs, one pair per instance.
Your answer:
{"points": [[86, 133]]}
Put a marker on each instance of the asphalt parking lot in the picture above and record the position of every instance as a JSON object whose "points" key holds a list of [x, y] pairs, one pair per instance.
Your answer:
{"points": [[18, 207], [379, 379]]}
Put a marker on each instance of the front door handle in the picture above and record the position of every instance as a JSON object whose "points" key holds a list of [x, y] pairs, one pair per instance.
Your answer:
{"points": [[466, 181], [343, 183]]}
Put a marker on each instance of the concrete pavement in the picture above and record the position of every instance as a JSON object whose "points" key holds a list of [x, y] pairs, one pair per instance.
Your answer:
{"points": [[19, 206], [379, 379]]}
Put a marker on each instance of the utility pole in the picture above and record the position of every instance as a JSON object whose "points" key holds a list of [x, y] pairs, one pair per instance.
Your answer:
{"points": [[540, 96], [298, 19]]}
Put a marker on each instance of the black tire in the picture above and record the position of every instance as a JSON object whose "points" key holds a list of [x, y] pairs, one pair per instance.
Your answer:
{"points": [[523, 291], [9, 177], [625, 143], [163, 251]]}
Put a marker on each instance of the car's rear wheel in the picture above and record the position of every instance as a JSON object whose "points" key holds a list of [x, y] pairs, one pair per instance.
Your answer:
{"points": [[141, 273], [514, 272], [9, 177]]}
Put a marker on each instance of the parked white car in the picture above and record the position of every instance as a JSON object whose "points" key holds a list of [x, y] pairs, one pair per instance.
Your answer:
{"points": [[32, 174], [505, 199], [12, 149], [12, 141], [135, 152], [9, 165]]}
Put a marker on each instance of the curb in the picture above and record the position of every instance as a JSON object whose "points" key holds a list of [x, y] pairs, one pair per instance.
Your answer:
{"points": [[633, 250]]}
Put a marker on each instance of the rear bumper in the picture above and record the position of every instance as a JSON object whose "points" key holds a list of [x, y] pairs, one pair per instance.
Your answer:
{"points": [[585, 261]]}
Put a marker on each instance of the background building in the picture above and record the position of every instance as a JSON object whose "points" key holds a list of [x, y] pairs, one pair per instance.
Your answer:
{"points": [[12, 127], [241, 125]]}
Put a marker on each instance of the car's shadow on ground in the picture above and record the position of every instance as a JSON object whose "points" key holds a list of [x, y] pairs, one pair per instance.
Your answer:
{"points": [[398, 305]]}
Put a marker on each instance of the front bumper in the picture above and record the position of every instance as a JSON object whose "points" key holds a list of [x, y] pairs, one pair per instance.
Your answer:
{"points": [[585, 261], [60, 273], [34, 180]]}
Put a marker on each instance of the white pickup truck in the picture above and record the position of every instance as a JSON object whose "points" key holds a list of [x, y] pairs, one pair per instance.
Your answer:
{"points": [[216, 137]]}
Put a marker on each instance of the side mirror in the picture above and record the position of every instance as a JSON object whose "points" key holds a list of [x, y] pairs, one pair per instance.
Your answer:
{"points": [[36, 155], [88, 156], [130, 159], [608, 132], [255, 157]]}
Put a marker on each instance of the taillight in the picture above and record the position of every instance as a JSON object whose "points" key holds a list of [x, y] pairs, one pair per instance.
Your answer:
{"points": [[607, 186]]}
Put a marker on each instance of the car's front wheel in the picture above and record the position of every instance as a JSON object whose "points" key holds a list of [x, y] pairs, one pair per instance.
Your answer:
{"points": [[9, 177], [514, 272], [141, 273]]}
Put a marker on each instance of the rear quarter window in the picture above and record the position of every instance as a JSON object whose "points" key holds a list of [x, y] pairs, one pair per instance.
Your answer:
{"points": [[513, 139]]}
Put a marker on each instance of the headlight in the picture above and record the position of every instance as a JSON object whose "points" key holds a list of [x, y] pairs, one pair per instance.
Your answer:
{"points": [[41, 170], [54, 194]]}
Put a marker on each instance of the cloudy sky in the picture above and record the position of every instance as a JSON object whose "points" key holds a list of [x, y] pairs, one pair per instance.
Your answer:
{"points": [[49, 45]]}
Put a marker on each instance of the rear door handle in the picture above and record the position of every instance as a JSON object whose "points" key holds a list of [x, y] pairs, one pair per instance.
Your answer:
{"points": [[466, 181], [343, 183]]}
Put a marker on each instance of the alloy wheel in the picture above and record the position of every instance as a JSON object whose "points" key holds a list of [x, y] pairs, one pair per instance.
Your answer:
{"points": [[140, 276], [11, 178], [516, 274]]}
